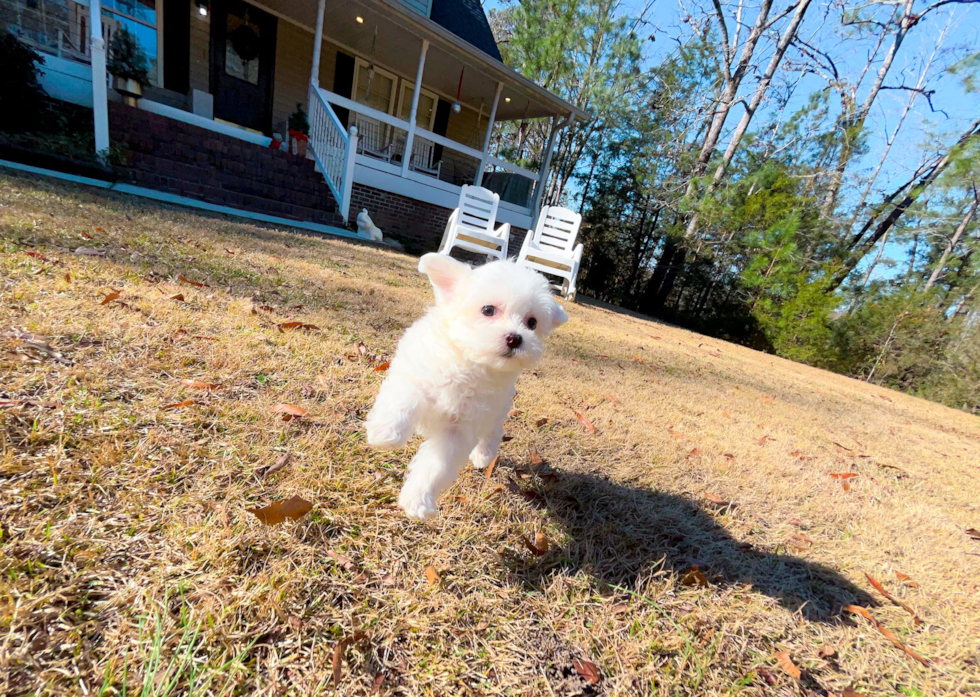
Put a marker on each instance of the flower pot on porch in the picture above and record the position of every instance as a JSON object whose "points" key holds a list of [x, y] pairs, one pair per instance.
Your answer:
{"points": [[130, 89], [297, 143]]}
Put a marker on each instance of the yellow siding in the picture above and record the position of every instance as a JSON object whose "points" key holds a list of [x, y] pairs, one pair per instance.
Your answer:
{"points": [[200, 77]]}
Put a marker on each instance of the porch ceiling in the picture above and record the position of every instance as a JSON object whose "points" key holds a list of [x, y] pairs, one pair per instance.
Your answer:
{"points": [[399, 39]]}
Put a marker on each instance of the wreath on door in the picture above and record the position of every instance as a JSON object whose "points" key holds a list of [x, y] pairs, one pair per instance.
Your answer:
{"points": [[245, 42]]}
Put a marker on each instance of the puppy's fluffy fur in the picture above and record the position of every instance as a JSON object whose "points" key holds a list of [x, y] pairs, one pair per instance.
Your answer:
{"points": [[453, 375]]}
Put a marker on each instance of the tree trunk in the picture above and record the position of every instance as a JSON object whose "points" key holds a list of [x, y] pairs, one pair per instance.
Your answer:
{"points": [[951, 244]]}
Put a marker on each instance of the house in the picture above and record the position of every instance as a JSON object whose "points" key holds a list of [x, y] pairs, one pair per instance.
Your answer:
{"points": [[402, 98]]}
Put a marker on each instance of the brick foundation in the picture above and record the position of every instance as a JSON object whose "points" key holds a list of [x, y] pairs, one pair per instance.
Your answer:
{"points": [[176, 157], [417, 225]]}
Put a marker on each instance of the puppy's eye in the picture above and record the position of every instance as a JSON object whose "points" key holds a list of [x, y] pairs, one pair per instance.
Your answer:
{"points": [[532, 323], [489, 310]]}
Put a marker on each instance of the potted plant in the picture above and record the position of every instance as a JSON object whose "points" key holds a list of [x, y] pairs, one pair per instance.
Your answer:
{"points": [[128, 65], [299, 129]]}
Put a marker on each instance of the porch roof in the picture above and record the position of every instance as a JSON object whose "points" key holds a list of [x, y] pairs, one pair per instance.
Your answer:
{"points": [[400, 32]]}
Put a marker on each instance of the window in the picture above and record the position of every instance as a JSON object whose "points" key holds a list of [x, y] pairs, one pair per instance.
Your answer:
{"points": [[425, 117], [140, 18], [376, 91]]}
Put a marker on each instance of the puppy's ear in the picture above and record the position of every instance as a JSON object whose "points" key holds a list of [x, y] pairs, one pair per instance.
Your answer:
{"points": [[558, 316], [447, 275]]}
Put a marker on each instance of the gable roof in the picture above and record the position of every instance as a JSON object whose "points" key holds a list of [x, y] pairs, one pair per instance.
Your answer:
{"points": [[466, 19]]}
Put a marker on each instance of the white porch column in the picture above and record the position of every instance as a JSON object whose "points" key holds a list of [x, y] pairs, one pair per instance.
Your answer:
{"points": [[545, 167], [486, 141], [317, 47], [407, 155], [100, 97]]}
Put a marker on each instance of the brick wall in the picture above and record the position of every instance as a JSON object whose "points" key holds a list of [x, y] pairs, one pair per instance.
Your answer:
{"points": [[416, 224], [186, 160]]}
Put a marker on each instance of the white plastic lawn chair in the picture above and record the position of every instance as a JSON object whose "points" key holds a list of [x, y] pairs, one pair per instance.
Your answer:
{"points": [[471, 225], [550, 247]]}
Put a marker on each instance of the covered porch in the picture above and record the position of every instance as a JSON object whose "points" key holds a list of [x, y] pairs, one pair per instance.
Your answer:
{"points": [[378, 79]]}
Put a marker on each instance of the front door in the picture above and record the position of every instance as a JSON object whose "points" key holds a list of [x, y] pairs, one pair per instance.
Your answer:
{"points": [[243, 53]]}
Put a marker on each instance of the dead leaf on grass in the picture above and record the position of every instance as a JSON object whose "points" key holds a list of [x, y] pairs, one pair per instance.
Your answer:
{"points": [[289, 411], [183, 278], [432, 575], [786, 663], [540, 545], [585, 422], [179, 298], [827, 651], [843, 475], [280, 462], [587, 670], [881, 589], [382, 367], [613, 400], [199, 385], [493, 492], [885, 632], [297, 325], [717, 500], [490, 468], [540, 422], [534, 456], [694, 577], [973, 534], [514, 412], [694, 453], [293, 508], [764, 440], [114, 295], [907, 580], [185, 403]]}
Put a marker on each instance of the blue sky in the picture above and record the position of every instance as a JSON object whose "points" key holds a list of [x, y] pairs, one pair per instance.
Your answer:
{"points": [[924, 131]]}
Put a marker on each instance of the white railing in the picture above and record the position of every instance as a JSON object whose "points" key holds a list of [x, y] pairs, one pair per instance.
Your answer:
{"points": [[386, 150], [333, 148]]}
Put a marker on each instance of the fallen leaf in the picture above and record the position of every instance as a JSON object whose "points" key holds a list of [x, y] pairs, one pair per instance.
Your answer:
{"points": [[613, 400], [827, 651], [694, 577], [198, 385], [432, 575], [973, 534], [461, 499], [275, 513], [379, 680], [540, 545], [786, 663], [881, 589], [342, 560], [764, 440], [767, 400], [67, 278], [280, 462], [587, 670], [177, 298], [887, 633], [90, 251], [907, 580], [766, 675], [114, 295], [585, 422], [843, 475], [535, 457], [801, 540], [717, 500], [185, 403], [514, 412], [540, 422], [902, 473], [289, 411], [490, 468], [183, 278], [297, 325], [383, 367], [338, 658], [493, 492], [694, 453]]}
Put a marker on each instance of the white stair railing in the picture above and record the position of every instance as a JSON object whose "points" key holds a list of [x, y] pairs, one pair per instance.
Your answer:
{"points": [[333, 148]]}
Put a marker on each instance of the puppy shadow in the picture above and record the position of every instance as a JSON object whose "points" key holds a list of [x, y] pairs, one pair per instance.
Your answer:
{"points": [[621, 534]]}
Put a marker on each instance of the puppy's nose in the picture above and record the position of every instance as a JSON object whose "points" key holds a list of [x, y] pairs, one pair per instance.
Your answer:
{"points": [[514, 340]]}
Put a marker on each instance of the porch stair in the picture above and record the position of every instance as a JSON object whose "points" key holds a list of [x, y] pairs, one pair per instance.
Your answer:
{"points": [[183, 159]]}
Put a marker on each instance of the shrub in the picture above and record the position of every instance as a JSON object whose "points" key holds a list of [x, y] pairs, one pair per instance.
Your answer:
{"points": [[298, 120], [21, 94]]}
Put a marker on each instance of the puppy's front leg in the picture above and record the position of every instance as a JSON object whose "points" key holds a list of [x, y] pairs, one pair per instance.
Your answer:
{"points": [[395, 413], [489, 443], [432, 471]]}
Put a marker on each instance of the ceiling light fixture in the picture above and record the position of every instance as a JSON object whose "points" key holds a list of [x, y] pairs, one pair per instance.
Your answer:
{"points": [[360, 20], [507, 99]]}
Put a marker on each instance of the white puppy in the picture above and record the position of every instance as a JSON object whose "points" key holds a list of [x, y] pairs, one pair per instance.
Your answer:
{"points": [[454, 372]]}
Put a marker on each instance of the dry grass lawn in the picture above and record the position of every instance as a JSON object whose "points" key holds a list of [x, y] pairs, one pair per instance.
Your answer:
{"points": [[129, 563]]}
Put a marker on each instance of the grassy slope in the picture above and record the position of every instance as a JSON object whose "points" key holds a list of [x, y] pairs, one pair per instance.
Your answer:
{"points": [[128, 556]]}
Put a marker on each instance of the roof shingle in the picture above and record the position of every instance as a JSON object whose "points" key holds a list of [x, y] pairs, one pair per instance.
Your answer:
{"points": [[467, 20]]}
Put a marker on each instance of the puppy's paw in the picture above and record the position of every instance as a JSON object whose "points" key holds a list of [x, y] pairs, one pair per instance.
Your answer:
{"points": [[481, 457], [388, 434], [418, 505]]}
